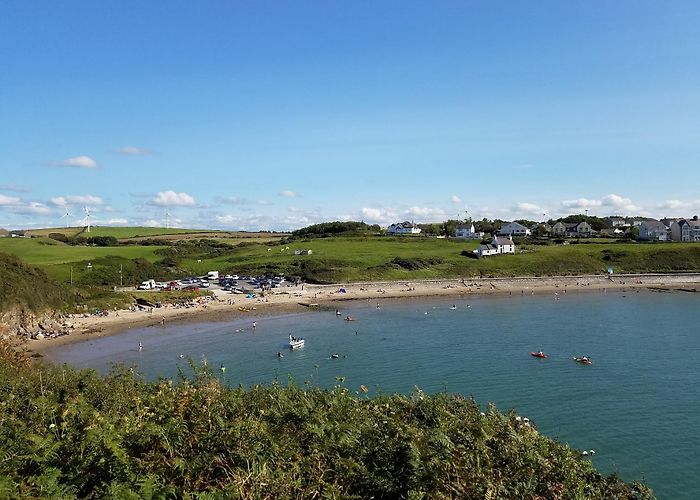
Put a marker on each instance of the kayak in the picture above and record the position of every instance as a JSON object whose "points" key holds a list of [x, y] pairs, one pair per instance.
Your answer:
{"points": [[539, 354]]}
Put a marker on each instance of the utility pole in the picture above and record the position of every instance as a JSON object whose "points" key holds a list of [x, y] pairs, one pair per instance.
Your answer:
{"points": [[121, 277], [71, 275]]}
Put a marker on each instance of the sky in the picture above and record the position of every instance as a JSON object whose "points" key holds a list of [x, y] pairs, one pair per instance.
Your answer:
{"points": [[246, 115]]}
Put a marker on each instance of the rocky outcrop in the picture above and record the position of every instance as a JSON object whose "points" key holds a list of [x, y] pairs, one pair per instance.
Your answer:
{"points": [[22, 323]]}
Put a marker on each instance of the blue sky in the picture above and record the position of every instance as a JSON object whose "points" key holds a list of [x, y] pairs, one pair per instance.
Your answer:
{"points": [[275, 115]]}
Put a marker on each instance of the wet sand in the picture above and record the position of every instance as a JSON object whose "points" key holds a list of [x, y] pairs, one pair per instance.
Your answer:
{"points": [[291, 299]]}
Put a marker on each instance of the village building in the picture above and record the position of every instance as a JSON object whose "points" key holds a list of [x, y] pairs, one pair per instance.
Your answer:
{"points": [[616, 221], [572, 229], [403, 228], [499, 245], [686, 230], [467, 231], [514, 229], [667, 221], [653, 230]]}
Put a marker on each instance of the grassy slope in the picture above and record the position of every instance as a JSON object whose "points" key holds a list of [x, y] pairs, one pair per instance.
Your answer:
{"points": [[57, 258], [28, 287], [373, 258], [117, 232], [360, 259]]}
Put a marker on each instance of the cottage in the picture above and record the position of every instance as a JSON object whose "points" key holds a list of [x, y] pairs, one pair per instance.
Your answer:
{"points": [[499, 245], [653, 230], [403, 228], [467, 231], [513, 229]]}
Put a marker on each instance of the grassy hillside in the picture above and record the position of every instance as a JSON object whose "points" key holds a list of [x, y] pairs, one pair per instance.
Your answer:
{"points": [[28, 287], [117, 232], [343, 259], [382, 258], [69, 434]]}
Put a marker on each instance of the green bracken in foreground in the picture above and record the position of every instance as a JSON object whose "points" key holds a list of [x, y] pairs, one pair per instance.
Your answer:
{"points": [[75, 434]]}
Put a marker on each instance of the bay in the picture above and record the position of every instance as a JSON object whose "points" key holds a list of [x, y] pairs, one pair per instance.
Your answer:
{"points": [[636, 405]]}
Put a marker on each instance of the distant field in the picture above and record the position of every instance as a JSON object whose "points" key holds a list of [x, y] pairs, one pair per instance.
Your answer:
{"points": [[345, 259], [56, 258], [117, 232], [142, 233], [364, 259]]}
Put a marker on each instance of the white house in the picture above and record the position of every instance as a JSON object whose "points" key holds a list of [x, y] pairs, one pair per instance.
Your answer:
{"points": [[467, 231], [652, 230], [499, 245], [403, 228], [513, 229]]}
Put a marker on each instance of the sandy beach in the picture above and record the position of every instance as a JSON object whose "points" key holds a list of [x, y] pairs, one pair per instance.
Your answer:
{"points": [[224, 306]]}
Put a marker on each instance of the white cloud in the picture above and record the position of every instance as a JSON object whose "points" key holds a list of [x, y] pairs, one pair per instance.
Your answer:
{"points": [[151, 223], [581, 204], [171, 198], [529, 209], [76, 162], [455, 199], [373, 214], [434, 214], [132, 150], [117, 222], [88, 199], [619, 202], [8, 200], [289, 194], [31, 208], [680, 206], [618, 205]]}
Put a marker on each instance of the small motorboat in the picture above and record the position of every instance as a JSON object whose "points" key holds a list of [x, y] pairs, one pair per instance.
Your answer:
{"points": [[584, 360], [538, 354], [335, 355], [295, 343]]}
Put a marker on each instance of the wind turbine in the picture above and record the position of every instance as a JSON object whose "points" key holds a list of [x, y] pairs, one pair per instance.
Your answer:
{"points": [[66, 216], [167, 218], [87, 219]]}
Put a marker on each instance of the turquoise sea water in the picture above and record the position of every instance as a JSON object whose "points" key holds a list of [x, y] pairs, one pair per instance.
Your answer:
{"points": [[636, 405]]}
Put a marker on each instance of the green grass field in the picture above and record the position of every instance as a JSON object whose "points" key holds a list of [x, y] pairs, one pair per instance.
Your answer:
{"points": [[345, 259], [117, 232], [57, 258]]}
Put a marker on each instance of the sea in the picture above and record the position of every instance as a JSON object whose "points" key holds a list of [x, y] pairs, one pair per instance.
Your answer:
{"points": [[636, 405]]}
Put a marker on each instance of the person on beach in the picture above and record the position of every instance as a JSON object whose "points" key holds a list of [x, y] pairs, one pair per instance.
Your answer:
{"points": [[162, 321], [254, 325]]}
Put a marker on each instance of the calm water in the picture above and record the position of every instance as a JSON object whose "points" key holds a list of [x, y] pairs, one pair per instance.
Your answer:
{"points": [[637, 405]]}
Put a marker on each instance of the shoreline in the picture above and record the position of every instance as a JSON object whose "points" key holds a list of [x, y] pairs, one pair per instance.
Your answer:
{"points": [[225, 306]]}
